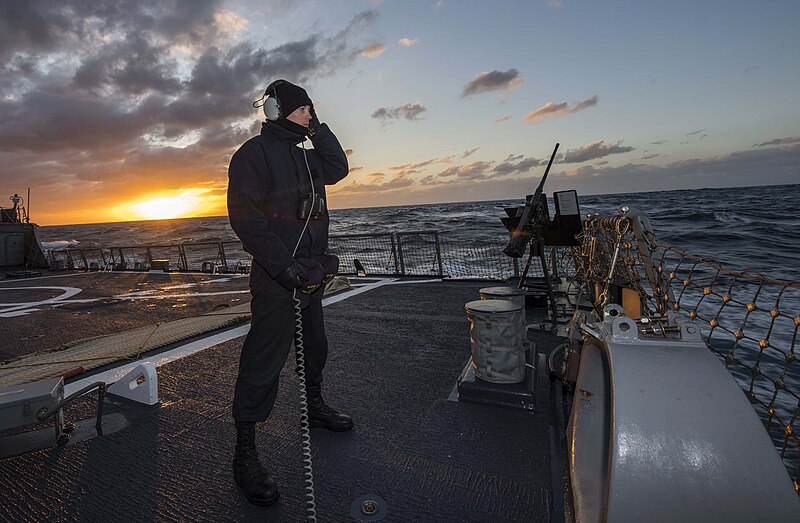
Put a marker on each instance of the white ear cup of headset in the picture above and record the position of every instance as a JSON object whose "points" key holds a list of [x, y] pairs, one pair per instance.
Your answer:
{"points": [[272, 109]]}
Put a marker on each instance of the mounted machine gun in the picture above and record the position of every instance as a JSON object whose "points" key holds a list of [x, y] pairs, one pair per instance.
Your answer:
{"points": [[531, 224]]}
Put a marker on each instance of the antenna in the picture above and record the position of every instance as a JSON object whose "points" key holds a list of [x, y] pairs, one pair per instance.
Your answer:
{"points": [[28, 210]]}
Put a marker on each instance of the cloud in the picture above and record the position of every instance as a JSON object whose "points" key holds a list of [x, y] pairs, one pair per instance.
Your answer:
{"points": [[140, 94], [469, 172], [376, 183], [554, 110], [409, 111], [553, 3], [373, 51], [779, 141], [493, 81], [650, 156], [728, 170], [487, 180], [469, 152], [517, 165], [592, 151], [659, 142], [38, 28], [413, 168], [408, 42], [348, 152], [695, 132], [503, 119]]}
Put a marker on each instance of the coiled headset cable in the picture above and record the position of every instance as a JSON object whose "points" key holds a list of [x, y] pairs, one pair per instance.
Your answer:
{"points": [[305, 430]]}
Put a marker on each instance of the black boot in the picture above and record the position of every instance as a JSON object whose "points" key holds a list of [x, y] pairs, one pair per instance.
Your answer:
{"points": [[321, 415], [256, 484]]}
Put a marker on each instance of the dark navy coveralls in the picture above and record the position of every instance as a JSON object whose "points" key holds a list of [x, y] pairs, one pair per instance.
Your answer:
{"points": [[267, 178]]}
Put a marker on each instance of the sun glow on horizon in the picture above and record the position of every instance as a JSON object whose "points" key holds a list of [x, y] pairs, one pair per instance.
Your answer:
{"points": [[186, 204]]}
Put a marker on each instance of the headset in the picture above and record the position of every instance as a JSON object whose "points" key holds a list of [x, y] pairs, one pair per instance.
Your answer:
{"points": [[270, 102]]}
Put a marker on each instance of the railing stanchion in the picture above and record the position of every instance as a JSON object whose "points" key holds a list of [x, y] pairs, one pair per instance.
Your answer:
{"points": [[222, 257], [394, 254], [400, 253], [438, 253], [184, 265]]}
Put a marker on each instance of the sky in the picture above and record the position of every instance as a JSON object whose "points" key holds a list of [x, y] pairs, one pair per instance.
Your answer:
{"points": [[120, 110]]}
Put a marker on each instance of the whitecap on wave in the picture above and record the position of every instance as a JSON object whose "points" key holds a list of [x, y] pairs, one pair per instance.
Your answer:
{"points": [[731, 217], [60, 244]]}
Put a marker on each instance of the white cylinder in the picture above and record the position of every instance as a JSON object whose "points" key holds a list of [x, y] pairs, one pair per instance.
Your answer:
{"points": [[495, 340], [512, 294]]}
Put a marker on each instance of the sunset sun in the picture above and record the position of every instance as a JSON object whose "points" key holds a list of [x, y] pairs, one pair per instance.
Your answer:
{"points": [[166, 207]]}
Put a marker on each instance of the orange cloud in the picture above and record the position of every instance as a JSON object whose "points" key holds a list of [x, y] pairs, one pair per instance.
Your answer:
{"points": [[554, 110], [373, 51]]}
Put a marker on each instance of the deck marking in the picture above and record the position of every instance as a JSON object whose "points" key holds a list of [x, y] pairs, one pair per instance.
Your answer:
{"points": [[49, 276], [142, 296], [26, 307], [9, 310], [354, 292], [411, 282], [112, 375]]}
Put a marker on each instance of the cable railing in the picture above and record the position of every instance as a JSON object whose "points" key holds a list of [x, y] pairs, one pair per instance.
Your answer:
{"points": [[411, 253], [222, 257]]}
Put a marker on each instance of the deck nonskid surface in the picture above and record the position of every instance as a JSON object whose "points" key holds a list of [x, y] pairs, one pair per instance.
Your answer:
{"points": [[44, 313], [396, 352]]}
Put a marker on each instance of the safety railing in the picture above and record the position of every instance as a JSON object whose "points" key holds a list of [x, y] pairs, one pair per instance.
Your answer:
{"points": [[201, 256], [421, 253], [412, 253], [749, 320]]}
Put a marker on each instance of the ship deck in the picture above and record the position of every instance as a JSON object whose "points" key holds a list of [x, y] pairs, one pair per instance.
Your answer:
{"points": [[397, 351]]}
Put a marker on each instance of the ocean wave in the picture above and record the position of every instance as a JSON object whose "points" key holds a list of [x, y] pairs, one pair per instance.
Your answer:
{"points": [[732, 218], [59, 244]]}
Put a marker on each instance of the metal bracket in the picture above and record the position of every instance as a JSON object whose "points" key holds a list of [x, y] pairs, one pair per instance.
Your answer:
{"points": [[140, 384]]}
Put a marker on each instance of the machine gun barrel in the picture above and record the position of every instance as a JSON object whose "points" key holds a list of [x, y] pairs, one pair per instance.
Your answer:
{"points": [[531, 212]]}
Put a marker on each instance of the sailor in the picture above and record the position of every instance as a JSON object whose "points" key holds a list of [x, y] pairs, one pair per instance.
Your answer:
{"points": [[276, 205]]}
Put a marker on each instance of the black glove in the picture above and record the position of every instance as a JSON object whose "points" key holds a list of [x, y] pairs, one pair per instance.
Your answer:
{"points": [[313, 125], [319, 274], [293, 277]]}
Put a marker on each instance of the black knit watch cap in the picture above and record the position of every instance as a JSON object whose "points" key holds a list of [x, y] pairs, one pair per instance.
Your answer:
{"points": [[291, 97]]}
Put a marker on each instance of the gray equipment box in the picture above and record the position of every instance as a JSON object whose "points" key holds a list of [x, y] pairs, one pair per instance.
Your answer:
{"points": [[19, 404]]}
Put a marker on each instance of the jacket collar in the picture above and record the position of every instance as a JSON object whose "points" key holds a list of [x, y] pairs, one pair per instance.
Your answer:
{"points": [[279, 133]]}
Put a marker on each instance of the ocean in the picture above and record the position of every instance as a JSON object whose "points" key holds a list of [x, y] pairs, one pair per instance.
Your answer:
{"points": [[742, 228]]}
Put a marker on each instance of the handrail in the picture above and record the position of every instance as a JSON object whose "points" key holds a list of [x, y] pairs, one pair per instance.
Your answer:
{"points": [[387, 253]]}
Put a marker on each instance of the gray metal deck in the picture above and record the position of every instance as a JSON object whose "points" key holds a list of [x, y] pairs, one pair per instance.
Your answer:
{"points": [[396, 353]]}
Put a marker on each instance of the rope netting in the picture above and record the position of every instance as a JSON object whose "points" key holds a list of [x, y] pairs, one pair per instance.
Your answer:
{"points": [[749, 320]]}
